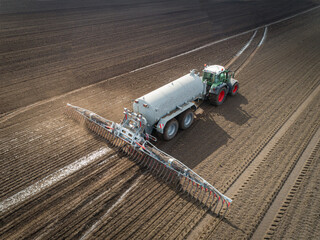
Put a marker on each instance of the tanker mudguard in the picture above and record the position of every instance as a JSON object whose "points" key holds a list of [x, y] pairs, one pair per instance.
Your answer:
{"points": [[215, 90]]}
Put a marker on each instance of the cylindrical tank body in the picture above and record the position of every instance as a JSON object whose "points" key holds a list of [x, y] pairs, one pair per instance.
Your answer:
{"points": [[169, 97]]}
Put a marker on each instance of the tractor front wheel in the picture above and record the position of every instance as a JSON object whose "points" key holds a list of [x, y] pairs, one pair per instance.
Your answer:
{"points": [[218, 99], [234, 89]]}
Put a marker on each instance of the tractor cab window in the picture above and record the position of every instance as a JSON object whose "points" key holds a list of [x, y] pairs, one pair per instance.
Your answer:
{"points": [[209, 77], [223, 76]]}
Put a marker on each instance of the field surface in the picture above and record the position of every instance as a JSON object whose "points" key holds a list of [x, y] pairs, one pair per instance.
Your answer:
{"points": [[261, 147]]}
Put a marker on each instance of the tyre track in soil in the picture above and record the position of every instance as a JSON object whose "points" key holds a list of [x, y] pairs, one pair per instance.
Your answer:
{"points": [[298, 190], [272, 218], [79, 190], [81, 216]]}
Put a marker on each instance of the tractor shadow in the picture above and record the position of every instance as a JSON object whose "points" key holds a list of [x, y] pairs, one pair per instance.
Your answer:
{"points": [[231, 109]]}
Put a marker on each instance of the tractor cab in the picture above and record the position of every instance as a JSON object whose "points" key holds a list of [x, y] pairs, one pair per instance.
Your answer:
{"points": [[213, 74], [219, 83], [216, 74]]}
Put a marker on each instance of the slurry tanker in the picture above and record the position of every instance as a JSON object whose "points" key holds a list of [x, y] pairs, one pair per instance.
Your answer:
{"points": [[172, 106], [165, 110]]}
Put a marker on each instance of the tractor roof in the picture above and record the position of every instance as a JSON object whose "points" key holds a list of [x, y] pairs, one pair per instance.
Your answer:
{"points": [[214, 69]]}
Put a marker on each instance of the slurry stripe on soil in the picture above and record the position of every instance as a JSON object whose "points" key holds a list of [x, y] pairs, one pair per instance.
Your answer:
{"points": [[25, 108], [85, 235], [264, 36], [247, 45], [241, 50], [52, 179], [254, 52]]}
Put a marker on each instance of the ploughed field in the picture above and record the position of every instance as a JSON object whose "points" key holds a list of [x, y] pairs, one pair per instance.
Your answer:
{"points": [[261, 147]]}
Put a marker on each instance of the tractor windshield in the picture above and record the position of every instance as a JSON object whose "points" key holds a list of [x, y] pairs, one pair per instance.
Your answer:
{"points": [[208, 76]]}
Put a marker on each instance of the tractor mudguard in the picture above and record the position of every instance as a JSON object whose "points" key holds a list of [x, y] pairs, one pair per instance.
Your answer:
{"points": [[231, 84]]}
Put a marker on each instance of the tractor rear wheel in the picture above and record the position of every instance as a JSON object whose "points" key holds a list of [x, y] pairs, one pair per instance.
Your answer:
{"points": [[234, 89], [186, 119], [170, 129], [218, 99]]}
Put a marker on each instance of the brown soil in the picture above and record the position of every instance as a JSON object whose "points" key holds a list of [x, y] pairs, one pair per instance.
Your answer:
{"points": [[49, 55], [298, 217]]}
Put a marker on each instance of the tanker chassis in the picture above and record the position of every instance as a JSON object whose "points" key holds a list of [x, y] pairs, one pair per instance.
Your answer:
{"points": [[172, 106]]}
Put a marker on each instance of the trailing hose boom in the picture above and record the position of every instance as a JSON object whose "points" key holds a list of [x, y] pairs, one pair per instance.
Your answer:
{"points": [[129, 136]]}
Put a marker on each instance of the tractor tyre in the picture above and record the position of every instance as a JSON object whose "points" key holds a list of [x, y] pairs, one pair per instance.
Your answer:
{"points": [[170, 129], [186, 119], [234, 89], [218, 99]]}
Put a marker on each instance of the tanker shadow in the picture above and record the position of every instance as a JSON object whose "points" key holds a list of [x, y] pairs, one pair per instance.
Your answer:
{"points": [[195, 144], [205, 136]]}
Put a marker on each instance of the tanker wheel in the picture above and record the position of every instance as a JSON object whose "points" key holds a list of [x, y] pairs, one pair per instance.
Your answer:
{"points": [[170, 129], [234, 89], [186, 119], [218, 99]]}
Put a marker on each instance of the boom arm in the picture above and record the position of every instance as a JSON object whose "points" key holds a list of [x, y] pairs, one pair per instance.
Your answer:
{"points": [[128, 136]]}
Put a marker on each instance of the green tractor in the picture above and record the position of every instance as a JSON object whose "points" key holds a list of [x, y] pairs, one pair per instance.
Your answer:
{"points": [[220, 83]]}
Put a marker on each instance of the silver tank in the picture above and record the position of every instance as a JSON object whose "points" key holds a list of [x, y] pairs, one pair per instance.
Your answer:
{"points": [[169, 97]]}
